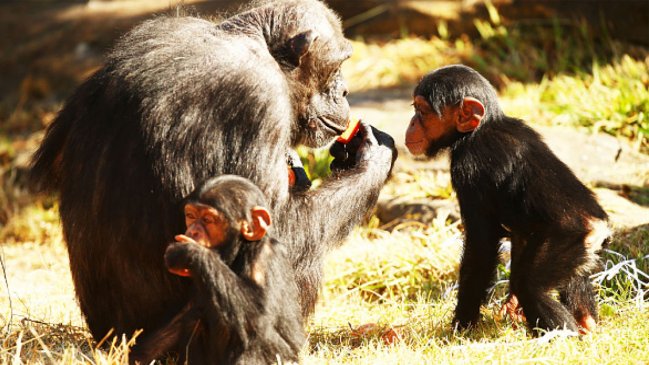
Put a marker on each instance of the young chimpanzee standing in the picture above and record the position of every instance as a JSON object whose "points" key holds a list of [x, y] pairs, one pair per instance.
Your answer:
{"points": [[245, 307], [509, 184]]}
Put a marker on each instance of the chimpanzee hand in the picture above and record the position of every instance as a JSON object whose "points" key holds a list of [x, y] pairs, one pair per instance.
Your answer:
{"points": [[377, 149], [345, 153], [386, 141], [178, 255], [368, 144]]}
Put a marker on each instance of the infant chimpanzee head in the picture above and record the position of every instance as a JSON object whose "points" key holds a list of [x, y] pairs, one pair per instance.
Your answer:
{"points": [[224, 207], [449, 102]]}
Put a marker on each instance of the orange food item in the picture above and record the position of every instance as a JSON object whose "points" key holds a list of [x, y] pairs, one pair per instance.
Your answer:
{"points": [[291, 177], [181, 272], [366, 330], [391, 336], [350, 132]]}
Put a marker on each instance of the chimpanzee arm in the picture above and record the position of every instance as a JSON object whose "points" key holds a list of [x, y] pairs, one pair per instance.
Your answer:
{"points": [[229, 307], [229, 301], [327, 214], [477, 269], [313, 221], [232, 303]]}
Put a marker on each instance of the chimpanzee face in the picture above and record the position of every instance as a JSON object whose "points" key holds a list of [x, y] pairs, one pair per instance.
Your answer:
{"points": [[429, 133], [327, 111], [320, 91], [205, 225]]}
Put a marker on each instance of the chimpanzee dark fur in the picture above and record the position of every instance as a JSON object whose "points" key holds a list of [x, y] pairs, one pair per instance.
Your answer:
{"points": [[509, 184], [181, 100], [244, 307]]}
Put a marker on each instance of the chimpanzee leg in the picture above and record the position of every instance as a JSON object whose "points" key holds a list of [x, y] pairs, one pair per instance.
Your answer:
{"points": [[477, 271], [176, 337], [309, 280], [547, 264], [518, 244], [512, 306]]}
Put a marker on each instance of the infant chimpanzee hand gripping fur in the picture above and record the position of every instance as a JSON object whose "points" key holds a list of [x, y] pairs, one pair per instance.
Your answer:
{"points": [[245, 307], [509, 184]]}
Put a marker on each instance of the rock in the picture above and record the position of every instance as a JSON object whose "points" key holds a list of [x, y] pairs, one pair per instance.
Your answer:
{"points": [[398, 210]]}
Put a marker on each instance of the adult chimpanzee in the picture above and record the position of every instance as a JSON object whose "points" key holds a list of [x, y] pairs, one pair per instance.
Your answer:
{"points": [[244, 307], [181, 100], [509, 183]]}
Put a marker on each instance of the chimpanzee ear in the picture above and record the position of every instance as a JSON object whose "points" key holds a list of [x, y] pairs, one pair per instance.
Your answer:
{"points": [[299, 45], [471, 113], [256, 230]]}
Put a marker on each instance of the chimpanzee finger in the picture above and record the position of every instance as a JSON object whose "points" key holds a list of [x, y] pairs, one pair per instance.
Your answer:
{"points": [[345, 153], [338, 150], [354, 144], [181, 238], [386, 140], [383, 138], [366, 141], [366, 133]]}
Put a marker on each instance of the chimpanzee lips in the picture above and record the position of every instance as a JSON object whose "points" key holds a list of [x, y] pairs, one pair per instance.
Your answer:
{"points": [[337, 129], [416, 147]]}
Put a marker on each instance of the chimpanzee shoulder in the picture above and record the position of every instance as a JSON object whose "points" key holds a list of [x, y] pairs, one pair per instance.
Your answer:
{"points": [[510, 166], [217, 71], [492, 154]]}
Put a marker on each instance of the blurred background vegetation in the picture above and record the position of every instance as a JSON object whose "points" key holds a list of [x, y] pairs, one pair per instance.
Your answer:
{"points": [[580, 63]]}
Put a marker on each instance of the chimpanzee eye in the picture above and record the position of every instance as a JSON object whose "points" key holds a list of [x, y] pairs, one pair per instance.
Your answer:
{"points": [[190, 215], [209, 219]]}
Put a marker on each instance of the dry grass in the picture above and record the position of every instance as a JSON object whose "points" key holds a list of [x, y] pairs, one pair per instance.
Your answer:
{"points": [[401, 283], [402, 280]]}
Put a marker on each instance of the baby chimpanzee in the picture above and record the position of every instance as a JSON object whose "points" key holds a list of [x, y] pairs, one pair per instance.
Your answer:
{"points": [[509, 184], [244, 308]]}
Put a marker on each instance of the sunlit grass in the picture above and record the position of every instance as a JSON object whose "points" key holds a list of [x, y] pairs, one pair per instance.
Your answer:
{"points": [[612, 98], [401, 281], [34, 223], [398, 265], [395, 63], [557, 73], [404, 279], [420, 184]]}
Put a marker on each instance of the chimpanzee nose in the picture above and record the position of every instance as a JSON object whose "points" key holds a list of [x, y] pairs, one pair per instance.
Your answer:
{"points": [[194, 233]]}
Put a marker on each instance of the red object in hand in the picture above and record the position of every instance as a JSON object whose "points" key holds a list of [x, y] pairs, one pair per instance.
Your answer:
{"points": [[181, 272], [350, 132], [291, 177]]}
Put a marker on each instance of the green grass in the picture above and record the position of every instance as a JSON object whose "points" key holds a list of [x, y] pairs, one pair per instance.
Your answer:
{"points": [[553, 72], [612, 98], [404, 279], [401, 280], [33, 223]]}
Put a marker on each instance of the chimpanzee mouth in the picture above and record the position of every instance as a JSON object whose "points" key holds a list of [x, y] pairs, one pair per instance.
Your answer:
{"points": [[337, 129], [416, 147]]}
